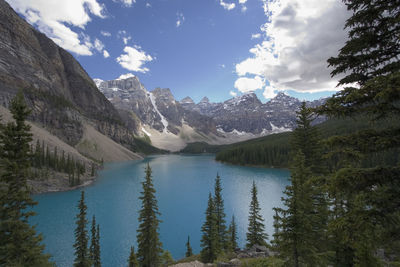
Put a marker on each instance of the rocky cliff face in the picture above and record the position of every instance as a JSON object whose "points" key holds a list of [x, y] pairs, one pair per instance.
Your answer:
{"points": [[60, 92], [157, 109]]}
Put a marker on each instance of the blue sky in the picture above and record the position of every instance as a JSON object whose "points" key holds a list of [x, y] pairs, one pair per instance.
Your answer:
{"points": [[200, 48]]}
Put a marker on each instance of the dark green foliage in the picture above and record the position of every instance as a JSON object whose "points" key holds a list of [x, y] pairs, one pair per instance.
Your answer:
{"points": [[219, 215], [209, 239], [366, 196], [373, 48], [94, 249], [232, 234], [19, 243], [189, 251], [201, 147], [81, 236], [149, 245], [166, 258], [132, 260], [45, 159], [256, 230]]}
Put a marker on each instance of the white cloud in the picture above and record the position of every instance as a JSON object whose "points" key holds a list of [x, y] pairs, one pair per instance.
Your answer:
{"points": [[106, 54], [245, 84], [134, 59], [124, 36], [244, 9], [127, 3], [227, 6], [54, 18], [179, 19], [301, 36], [242, 1], [98, 45], [106, 34], [148, 5], [222, 66], [255, 36], [233, 93], [125, 76]]}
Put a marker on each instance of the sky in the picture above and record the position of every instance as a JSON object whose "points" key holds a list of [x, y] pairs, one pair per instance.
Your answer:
{"points": [[214, 48]]}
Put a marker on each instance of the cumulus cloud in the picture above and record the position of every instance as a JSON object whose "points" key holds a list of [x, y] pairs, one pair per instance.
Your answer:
{"points": [[148, 5], [227, 6], [105, 54], [245, 84], [133, 59], [255, 36], [301, 36], [127, 3], [179, 19], [55, 18], [106, 34], [233, 93], [125, 76]]}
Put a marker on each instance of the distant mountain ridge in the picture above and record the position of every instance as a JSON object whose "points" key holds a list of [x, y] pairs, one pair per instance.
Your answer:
{"points": [[239, 118]]}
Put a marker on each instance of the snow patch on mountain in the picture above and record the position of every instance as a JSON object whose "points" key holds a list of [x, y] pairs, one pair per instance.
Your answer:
{"points": [[163, 120], [146, 132]]}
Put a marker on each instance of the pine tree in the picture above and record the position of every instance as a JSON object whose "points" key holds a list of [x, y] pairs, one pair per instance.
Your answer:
{"points": [[132, 261], [255, 232], [209, 239], [19, 242], [232, 230], [149, 245], [82, 257], [166, 259], [366, 200], [94, 250], [189, 251], [220, 214]]}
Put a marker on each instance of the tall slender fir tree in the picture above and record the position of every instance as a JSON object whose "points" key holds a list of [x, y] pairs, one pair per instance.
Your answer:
{"points": [[232, 234], [220, 214], [189, 251], [209, 239], [149, 245], [256, 230], [19, 242], [82, 257]]}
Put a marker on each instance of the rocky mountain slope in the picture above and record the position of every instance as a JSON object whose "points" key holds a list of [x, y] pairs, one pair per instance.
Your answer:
{"points": [[64, 99], [170, 124], [160, 116]]}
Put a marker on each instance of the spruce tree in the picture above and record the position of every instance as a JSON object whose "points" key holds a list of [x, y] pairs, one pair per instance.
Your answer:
{"points": [[220, 214], [189, 251], [97, 256], [149, 245], [94, 249], [209, 239], [82, 257], [19, 243], [255, 232], [132, 260], [366, 198], [232, 234]]}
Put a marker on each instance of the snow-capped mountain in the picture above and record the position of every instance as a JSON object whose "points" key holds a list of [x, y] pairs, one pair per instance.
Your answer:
{"points": [[166, 120]]}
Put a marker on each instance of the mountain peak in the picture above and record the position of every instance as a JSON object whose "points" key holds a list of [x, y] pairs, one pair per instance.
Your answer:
{"points": [[205, 100], [187, 100]]}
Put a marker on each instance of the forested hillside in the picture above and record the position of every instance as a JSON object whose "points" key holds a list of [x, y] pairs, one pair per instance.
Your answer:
{"points": [[274, 150]]}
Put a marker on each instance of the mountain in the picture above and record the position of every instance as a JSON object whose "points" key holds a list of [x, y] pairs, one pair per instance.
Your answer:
{"points": [[65, 101], [170, 124], [246, 115], [159, 115]]}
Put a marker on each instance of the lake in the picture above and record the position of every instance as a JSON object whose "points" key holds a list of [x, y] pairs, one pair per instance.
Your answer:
{"points": [[182, 183]]}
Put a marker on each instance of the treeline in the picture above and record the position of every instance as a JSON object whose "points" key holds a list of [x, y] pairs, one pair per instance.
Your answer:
{"points": [[43, 159], [274, 150]]}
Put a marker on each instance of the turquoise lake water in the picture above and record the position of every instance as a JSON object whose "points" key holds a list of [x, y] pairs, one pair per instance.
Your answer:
{"points": [[182, 183]]}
